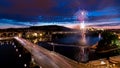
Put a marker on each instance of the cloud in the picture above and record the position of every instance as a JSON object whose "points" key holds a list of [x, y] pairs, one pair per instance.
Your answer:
{"points": [[6, 22], [107, 14], [105, 11], [33, 12]]}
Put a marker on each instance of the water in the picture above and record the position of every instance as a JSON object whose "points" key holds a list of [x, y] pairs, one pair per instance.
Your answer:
{"points": [[13, 55], [90, 40], [76, 51]]}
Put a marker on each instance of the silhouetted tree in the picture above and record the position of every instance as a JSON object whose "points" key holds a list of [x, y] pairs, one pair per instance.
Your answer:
{"points": [[107, 45]]}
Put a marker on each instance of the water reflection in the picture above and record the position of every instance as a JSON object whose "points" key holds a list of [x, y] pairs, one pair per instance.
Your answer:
{"points": [[77, 53], [69, 46]]}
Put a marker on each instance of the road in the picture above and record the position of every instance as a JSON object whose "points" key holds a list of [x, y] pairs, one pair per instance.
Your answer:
{"points": [[45, 58]]}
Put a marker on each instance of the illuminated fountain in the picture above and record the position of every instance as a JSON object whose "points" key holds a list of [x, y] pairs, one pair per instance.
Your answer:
{"points": [[83, 16], [83, 32], [83, 48]]}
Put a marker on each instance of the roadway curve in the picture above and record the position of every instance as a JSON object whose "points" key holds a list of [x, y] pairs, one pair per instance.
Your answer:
{"points": [[45, 58]]}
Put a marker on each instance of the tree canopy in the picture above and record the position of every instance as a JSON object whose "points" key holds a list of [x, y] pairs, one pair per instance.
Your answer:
{"points": [[108, 42]]}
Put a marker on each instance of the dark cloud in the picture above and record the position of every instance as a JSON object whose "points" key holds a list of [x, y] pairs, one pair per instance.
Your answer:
{"points": [[104, 14], [12, 22], [29, 7]]}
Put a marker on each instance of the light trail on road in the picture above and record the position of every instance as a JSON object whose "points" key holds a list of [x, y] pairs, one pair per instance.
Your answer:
{"points": [[44, 57]]}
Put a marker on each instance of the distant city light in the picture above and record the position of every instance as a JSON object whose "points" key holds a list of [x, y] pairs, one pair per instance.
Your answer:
{"points": [[17, 50], [41, 34], [35, 34], [20, 55]]}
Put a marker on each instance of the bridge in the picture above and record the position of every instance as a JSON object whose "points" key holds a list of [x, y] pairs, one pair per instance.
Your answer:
{"points": [[46, 58]]}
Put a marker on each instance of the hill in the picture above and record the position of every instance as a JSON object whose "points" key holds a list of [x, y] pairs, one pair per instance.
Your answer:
{"points": [[41, 28]]}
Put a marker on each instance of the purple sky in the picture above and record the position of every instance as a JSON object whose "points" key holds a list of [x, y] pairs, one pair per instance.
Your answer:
{"points": [[34, 12]]}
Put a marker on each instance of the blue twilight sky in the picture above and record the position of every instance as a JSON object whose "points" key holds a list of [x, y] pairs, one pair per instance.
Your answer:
{"points": [[39, 12]]}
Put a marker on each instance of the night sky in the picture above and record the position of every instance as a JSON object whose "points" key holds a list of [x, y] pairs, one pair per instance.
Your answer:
{"points": [[41, 12]]}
